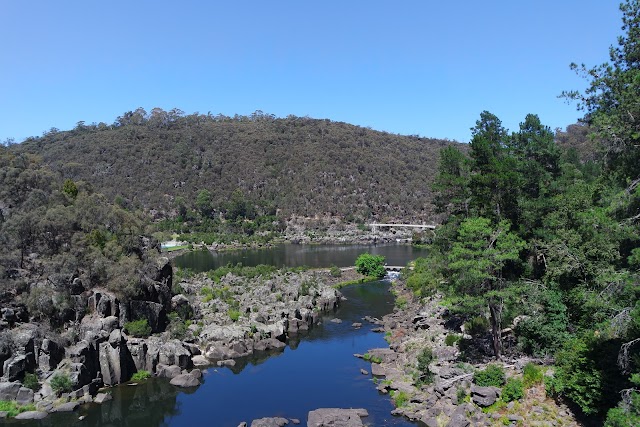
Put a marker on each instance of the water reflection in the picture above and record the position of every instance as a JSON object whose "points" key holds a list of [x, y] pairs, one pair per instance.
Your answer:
{"points": [[297, 255]]}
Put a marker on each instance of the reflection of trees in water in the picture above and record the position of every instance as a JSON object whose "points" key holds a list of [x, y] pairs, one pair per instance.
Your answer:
{"points": [[149, 404]]}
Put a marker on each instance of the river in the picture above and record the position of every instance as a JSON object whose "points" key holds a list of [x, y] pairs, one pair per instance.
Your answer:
{"points": [[318, 370]]}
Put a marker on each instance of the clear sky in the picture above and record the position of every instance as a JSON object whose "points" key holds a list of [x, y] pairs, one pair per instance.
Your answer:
{"points": [[410, 67]]}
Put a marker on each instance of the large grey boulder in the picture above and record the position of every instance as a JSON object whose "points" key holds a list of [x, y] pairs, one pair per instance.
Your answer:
{"points": [[484, 396], [270, 422], [185, 380], [50, 355], [170, 372], [334, 417], [173, 352], [24, 396], [116, 363], [15, 367], [459, 418], [9, 390]]}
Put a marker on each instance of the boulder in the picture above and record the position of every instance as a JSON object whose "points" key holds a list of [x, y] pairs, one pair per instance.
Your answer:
{"points": [[173, 352], [15, 367], [50, 355], [116, 363], [333, 417], [24, 396], [200, 360], [185, 380], [459, 418], [484, 396], [67, 407], [270, 422], [268, 344], [9, 390], [168, 371]]}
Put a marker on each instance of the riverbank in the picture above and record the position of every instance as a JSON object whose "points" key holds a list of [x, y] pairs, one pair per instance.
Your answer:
{"points": [[441, 389]]}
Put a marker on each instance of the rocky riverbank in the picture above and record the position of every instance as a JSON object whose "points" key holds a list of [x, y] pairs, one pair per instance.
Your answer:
{"points": [[198, 321], [445, 395]]}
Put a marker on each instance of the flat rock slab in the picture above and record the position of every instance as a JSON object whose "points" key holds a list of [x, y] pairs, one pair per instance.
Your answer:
{"points": [[67, 407], [31, 415], [102, 397], [335, 417], [270, 422], [200, 360], [378, 370]]}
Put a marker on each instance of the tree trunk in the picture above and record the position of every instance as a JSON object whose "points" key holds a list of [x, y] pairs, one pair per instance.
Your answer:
{"points": [[496, 321]]}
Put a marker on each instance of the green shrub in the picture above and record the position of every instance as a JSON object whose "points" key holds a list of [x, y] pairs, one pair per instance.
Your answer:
{"points": [[532, 375], [335, 271], [477, 326], [401, 302], [141, 376], [461, 395], [12, 408], [425, 376], [234, 315], [138, 328], [452, 339], [492, 375], [31, 381], [400, 398], [513, 390], [61, 383], [626, 414], [370, 358], [371, 265]]}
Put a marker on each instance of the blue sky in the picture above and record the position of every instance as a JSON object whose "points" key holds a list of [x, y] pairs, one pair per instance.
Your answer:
{"points": [[409, 67]]}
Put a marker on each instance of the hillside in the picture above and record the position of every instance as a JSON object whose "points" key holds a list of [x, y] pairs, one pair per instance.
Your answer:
{"points": [[298, 165]]}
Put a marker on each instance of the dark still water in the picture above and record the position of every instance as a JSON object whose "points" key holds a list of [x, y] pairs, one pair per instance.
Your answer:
{"points": [[298, 255], [318, 371]]}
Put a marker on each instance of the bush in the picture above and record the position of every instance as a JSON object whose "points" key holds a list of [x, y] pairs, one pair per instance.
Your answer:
{"points": [[424, 359], [452, 339], [138, 328], [492, 375], [400, 398], [371, 265], [477, 326], [234, 315], [141, 376], [61, 383], [513, 390], [31, 381], [335, 271], [12, 408], [532, 375]]}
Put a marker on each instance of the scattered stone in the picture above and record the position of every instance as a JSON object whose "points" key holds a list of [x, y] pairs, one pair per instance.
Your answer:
{"points": [[336, 320], [227, 362], [356, 325], [364, 372], [295, 421]]}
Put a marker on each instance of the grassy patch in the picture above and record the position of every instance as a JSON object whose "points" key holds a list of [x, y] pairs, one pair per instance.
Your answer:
{"points": [[141, 376], [13, 409]]}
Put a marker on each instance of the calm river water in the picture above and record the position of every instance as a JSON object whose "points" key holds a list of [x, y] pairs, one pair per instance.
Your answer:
{"points": [[316, 371]]}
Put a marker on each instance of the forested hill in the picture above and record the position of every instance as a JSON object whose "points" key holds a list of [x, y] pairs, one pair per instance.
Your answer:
{"points": [[298, 165]]}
